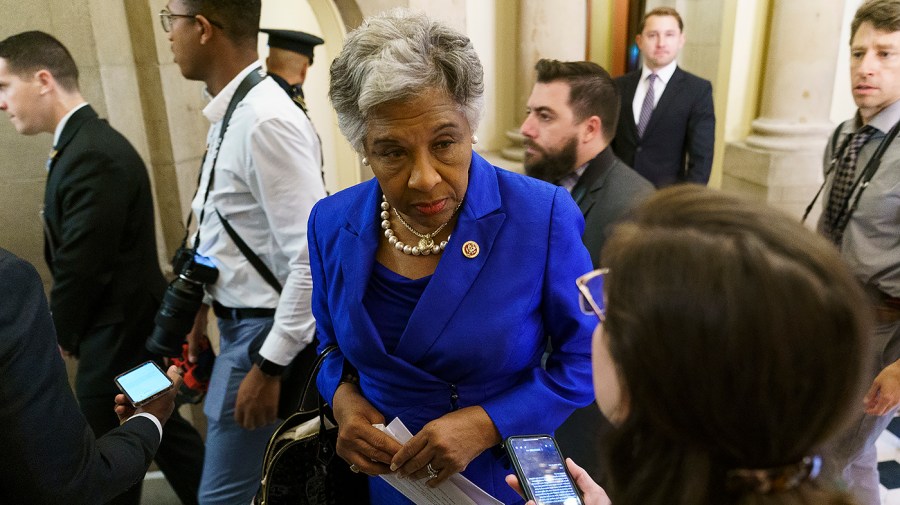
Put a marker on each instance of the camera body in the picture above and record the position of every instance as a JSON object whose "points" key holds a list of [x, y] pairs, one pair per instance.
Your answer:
{"points": [[181, 302]]}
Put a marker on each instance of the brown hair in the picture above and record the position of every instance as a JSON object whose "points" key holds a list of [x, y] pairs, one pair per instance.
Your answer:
{"points": [[29, 52], [661, 11], [592, 91], [741, 340], [883, 14]]}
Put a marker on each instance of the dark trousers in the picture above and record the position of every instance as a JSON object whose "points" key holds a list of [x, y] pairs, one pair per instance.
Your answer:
{"points": [[104, 354]]}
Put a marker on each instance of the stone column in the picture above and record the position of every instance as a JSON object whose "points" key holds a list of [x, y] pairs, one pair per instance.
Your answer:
{"points": [[780, 162], [555, 30]]}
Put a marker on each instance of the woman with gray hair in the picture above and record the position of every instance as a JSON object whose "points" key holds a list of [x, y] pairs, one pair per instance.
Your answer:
{"points": [[442, 279]]}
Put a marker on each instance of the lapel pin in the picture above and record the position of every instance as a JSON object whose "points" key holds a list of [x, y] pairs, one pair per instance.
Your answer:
{"points": [[470, 249]]}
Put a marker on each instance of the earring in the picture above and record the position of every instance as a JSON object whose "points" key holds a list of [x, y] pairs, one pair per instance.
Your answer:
{"points": [[474, 139], [365, 161]]}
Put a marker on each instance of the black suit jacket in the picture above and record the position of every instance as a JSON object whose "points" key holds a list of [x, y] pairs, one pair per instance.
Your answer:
{"points": [[605, 192], [100, 241], [677, 145], [49, 453]]}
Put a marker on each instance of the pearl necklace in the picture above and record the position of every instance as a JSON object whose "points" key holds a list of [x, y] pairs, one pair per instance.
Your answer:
{"points": [[426, 244]]}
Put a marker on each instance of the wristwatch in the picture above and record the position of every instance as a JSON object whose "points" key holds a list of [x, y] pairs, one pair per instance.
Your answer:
{"points": [[270, 368]]}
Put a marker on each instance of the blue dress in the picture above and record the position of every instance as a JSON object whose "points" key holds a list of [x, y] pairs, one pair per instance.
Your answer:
{"points": [[480, 326]]}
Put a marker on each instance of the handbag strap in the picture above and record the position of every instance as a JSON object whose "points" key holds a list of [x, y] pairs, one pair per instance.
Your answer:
{"points": [[311, 379], [250, 255]]}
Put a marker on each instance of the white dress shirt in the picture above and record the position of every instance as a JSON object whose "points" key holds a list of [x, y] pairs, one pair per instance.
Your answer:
{"points": [[664, 75], [266, 182]]}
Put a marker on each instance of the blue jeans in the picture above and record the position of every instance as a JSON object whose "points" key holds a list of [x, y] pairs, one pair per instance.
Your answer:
{"points": [[233, 465]]}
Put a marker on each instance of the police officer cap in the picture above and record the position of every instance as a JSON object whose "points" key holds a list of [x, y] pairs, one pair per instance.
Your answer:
{"points": [[298, 42]]}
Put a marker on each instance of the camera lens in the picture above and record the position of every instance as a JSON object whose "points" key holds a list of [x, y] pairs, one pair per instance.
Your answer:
{"points": [[175, 317]]}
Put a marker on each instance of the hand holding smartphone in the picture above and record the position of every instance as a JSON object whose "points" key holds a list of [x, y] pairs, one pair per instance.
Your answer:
{"points": [[541, 471], [144, 383]]}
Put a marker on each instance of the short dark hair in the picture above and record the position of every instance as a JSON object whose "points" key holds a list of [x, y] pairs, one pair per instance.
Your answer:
{"points": [[883, 14], [31, 51], [239, 18], [741, 340], [592, 91], [661, 11]]}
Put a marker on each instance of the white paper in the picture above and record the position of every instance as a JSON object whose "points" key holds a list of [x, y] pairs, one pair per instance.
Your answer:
{"points": [[457, 490]]}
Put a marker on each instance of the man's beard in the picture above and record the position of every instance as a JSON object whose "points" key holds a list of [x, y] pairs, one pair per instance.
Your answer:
{"points": [[553, 165]]}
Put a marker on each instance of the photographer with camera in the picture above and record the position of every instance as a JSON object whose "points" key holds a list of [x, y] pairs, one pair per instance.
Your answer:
{"points": [[259, 179], [99, 242]]}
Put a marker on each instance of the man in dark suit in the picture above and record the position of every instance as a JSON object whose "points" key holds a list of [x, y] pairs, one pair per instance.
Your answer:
{"points": [[50, 454], [667, 127], [99, 241], [571, 119]]}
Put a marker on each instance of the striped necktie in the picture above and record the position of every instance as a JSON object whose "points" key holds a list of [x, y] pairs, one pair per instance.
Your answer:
{"points": [[647, 106]]}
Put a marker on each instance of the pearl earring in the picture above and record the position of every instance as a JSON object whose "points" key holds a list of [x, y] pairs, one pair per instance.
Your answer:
{"points": [[365, 161], [474, 139]]}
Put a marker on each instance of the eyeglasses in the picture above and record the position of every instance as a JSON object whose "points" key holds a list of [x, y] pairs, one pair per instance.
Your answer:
{"points": [[165, 18], [592, 299]]}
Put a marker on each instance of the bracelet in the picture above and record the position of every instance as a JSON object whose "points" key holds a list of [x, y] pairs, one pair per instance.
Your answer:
{"points": [[349, 378]]}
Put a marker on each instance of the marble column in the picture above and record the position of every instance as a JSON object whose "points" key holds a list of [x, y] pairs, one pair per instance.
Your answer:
{"points": [[780, 162], [555, 30]]}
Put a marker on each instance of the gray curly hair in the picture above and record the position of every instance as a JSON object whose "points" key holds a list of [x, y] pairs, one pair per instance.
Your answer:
{"points": [[395, 56]]}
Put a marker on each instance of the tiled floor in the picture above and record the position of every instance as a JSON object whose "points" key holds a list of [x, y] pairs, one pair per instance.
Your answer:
{"points": [[889, 463]]}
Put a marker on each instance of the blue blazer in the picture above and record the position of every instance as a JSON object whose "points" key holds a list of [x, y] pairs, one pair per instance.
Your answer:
{"points": [[480, 328]]}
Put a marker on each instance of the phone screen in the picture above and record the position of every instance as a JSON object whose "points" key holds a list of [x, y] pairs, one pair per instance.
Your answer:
{"points": [[541, 470], [143, 382]]}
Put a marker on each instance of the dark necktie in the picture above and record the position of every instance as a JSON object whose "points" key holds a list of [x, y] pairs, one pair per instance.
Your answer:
{"points": [[647, 106], [836, 214]]}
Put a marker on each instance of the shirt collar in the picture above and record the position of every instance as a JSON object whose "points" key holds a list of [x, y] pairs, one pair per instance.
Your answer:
{"points": [[884, 120], [664, 73], [215, 109], [64, 120], [571, 179]]}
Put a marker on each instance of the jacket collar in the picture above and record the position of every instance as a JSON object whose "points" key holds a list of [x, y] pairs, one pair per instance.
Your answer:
{"points": [[480, 220], [78, 118], [595, 176]]}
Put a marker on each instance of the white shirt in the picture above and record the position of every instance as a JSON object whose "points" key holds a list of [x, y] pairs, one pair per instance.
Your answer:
{"points": [[664, 75], [267, 180]]}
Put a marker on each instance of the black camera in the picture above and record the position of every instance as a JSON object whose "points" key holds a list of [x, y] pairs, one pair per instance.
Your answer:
{"points": [[181, 302]]}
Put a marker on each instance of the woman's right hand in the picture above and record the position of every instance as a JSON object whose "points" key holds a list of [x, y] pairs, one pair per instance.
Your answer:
{"points": [[359, 443], [592, 493]]}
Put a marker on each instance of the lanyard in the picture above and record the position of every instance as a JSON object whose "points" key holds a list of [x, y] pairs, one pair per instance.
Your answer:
{"points": [[862, 182]]}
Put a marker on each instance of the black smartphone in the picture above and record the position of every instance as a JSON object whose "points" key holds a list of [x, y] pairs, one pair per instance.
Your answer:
{"points": [[542, 471], [143, 383]]}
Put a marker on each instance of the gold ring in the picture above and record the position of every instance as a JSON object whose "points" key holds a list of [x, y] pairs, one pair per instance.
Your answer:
{"points": [[354, 468]]}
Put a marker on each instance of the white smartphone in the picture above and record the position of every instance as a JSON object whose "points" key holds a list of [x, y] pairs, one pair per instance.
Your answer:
{"points": [[542, 471], [144, 383]]}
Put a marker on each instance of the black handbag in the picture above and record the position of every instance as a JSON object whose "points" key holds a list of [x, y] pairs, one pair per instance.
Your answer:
{"points": [[301, 467]]}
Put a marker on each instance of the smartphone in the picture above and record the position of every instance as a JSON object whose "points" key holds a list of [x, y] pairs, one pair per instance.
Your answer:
{"points": [[542, 470], [143, 383]]}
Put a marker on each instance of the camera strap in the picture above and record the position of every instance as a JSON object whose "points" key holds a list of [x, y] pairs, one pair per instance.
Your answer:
{"points": [[255, 77], [250, 255], [862, 182]]}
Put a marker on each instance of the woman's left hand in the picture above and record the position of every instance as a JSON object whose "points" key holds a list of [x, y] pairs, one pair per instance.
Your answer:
{"points": [[592, 493], [448, 444]]}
